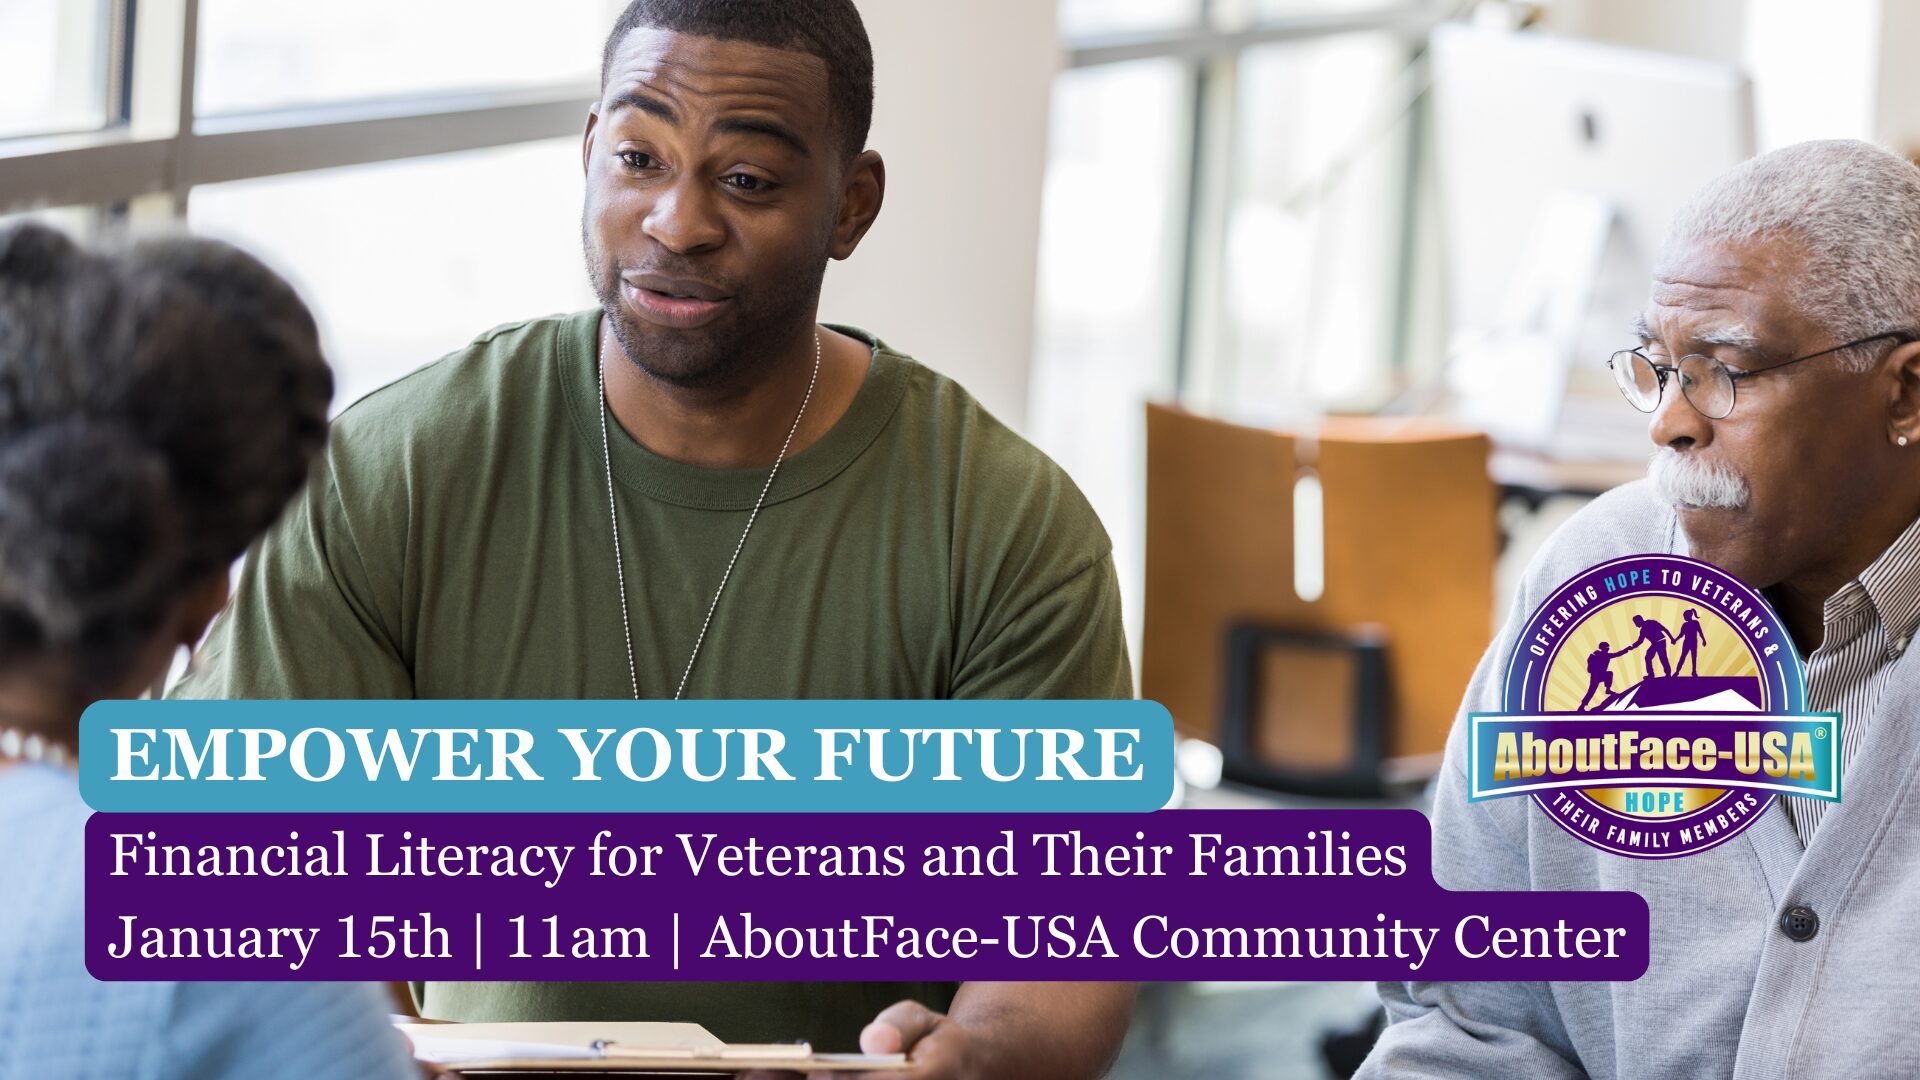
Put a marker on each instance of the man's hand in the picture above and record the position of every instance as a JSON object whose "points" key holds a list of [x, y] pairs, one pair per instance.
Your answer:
{"points": [[939, 1047], [999, 1031]]}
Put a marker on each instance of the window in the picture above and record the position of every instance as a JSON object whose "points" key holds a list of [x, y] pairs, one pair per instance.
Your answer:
{"points": [[1112, 242], [1275, 9], [53, 66], [1226, 224], [263, 54], [1225, 210], [159, 105], [1088, 18], [436, 194], [1305, 315], [415, 258]]}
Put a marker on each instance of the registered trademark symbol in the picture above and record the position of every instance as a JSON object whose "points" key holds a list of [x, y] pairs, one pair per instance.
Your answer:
{"points": [[1819, 733]]}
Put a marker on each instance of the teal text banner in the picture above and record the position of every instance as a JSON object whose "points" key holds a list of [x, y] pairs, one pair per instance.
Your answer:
{"points": [[623, 756]]}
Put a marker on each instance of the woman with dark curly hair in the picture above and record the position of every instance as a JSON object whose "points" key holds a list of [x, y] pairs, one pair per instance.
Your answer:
{"points": [[158, 408]]}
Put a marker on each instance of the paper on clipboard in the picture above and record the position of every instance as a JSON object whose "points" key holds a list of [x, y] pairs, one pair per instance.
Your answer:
{"points": [[589, 1047]]}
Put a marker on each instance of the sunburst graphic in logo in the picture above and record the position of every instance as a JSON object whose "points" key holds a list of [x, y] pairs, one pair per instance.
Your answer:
{"points": [[1653, 653]]}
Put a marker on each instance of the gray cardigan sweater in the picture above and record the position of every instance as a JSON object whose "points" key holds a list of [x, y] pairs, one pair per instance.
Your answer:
{"points": [[1728, 993]]}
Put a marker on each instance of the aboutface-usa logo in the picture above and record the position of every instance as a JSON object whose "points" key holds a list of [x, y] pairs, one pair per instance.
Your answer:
{"points": [[1654, 707]]}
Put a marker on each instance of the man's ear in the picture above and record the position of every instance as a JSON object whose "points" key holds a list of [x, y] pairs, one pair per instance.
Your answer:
{"points": [[586, 139], [1903, 394], [865, 190], [198, 607]]}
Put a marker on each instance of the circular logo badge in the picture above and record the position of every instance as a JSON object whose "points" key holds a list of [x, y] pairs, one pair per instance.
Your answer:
{"points": [[1654, 707]]}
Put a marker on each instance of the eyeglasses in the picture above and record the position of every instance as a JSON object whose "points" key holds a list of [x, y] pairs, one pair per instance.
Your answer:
{"points": [[1706, 382]]}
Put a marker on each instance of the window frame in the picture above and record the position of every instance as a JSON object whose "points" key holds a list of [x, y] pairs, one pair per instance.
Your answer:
{"points": [[154, 149], [1211, 55]]}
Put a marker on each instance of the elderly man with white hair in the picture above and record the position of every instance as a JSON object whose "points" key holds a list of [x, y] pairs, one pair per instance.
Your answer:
{"points": [[1779, 357]]}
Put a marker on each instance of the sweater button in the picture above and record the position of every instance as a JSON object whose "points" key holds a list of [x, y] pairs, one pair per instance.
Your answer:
{"points": [[1800, 923]]}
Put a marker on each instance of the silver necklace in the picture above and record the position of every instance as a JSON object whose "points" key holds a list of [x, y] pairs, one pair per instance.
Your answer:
{"points": [[613, 509]]}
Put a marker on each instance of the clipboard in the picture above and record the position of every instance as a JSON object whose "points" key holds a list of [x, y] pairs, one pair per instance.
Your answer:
{"points": [[596, 1047]]}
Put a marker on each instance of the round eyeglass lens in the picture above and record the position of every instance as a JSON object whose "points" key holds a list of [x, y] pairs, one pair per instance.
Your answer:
{"points": [[1639, 383], [1707, 386]]}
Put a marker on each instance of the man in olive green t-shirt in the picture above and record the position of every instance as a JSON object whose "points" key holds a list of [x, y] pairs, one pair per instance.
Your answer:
{"points": [[457, 543], [458, 540]]}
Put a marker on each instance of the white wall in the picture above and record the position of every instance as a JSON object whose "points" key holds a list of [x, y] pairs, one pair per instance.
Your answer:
{"points": [[1815, 69], [1710, 29], [948, 272], [1898, 121], [1821, 68]]}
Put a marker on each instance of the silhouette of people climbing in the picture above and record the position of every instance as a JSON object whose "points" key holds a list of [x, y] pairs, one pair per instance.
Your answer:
{"points": [[1693, 637], [1600, 672], [1654, 636]]}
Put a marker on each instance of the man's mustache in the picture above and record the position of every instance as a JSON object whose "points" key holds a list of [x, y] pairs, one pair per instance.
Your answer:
{"points": [[1689, 481]]}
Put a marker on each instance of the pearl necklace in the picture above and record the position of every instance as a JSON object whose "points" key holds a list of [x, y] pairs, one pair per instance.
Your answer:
{"points": [[33, 746], [620, 571]]}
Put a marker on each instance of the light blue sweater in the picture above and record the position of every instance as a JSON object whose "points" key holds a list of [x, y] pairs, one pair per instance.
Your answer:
{"points": [[1728, 994], [57, 1022]]}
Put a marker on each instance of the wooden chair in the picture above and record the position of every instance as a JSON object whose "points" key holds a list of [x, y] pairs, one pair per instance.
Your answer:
{"points": [[1332, 694]]}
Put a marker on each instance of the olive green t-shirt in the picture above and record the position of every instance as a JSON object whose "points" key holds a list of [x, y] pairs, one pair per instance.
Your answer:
{"points": [[455, 542]]}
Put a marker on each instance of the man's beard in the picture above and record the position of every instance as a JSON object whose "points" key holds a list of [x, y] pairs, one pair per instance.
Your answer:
{"points": [[1685, 481], [728, 353]]}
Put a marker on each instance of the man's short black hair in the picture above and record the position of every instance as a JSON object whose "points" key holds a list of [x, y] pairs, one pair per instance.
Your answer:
{"points": [[828, 29]]}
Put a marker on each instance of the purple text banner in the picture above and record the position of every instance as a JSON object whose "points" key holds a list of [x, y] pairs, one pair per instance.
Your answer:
{"points": [[1169, 896]]}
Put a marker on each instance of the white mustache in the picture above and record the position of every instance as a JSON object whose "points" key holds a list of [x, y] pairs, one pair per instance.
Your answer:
{"points": [[1685, 480]]}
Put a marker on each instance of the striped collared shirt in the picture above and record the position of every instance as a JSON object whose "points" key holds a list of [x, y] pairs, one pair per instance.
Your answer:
{"points": [[1868, 625]]}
